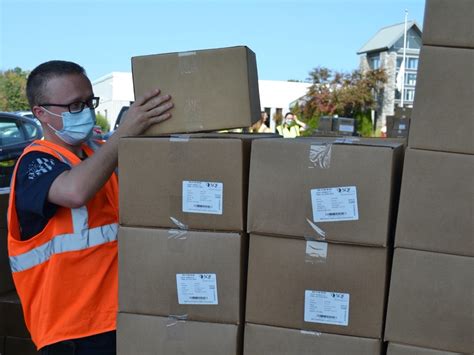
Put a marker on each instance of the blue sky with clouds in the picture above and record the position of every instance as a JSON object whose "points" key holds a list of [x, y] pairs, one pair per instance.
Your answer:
{"points": [[289, 37]]}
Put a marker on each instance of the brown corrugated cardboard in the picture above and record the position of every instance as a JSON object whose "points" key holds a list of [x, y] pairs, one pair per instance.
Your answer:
{"points": [[205, 269], [6, 280], [290, 279], [150, 335], [212, 89], [19, 346], [430, 301], [13, 322], [436, 203], [400, 349], [448, 23], [265, 340], [315, 187], [403, 112], [344, 126], [199, 182], [325, 124], [442, 114]]}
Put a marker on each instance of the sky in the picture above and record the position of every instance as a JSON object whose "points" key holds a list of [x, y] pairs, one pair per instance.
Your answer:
{"points": [[289, 37]]}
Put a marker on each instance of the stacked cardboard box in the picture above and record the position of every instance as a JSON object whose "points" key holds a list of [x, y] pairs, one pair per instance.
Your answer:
{"points": [[182, 243], [321, 218], [430, 303]]}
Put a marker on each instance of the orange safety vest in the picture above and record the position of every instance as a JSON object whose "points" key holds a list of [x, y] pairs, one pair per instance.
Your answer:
{"points": [[66, 275]]}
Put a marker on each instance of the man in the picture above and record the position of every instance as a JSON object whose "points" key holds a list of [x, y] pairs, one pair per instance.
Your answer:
{"points": [[63, 213], [290, 127]]}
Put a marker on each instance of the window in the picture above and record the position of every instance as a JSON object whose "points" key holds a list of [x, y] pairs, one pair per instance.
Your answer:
{"points": [[409, 95], [31, 130], [374, 62], [412, 63], [10, 132], [410, 79]]}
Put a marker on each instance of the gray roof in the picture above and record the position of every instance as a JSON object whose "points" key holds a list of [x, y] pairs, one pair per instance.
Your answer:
{"points": [[386, 37]]}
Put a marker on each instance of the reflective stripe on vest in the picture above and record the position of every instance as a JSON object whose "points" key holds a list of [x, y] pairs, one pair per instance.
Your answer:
{"points": [[82, 238]]}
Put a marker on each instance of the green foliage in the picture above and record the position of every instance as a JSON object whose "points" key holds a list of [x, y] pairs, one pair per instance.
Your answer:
{"points": [[346, 94], [13, 90], [102, 122]]}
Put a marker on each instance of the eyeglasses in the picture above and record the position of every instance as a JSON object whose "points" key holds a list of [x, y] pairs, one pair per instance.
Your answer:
{"points": [[78, 106]]}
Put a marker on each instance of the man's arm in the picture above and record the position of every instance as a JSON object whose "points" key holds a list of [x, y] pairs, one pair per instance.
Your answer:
{"points": [[73, 188]]}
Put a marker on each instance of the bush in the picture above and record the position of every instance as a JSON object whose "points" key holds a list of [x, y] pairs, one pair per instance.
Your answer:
{"points": [[102, 122]]}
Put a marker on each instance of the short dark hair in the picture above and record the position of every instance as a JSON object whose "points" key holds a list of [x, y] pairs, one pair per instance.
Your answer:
{"points": [[39, 77], [289, 113]]}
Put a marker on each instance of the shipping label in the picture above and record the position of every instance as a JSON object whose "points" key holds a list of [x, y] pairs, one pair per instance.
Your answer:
{"points": [[335, 204], [197, 289], [202, 197], [326, 307]]}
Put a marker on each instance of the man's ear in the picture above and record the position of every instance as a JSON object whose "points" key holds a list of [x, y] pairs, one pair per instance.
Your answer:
{"points": [[40, 114]]}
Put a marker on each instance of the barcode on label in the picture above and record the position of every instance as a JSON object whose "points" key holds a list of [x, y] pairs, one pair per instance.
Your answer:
{"points": [[203, 206], [336, 214], [198, 298], [324, 316]]}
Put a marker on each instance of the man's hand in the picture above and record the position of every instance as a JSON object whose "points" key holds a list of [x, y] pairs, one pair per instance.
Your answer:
{"points": [[152, 108]]}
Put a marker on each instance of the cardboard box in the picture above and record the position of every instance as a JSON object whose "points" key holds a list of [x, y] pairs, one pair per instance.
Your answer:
{"points": [[400, 349], [436, 203], [212, 89], [6, 280], [19, 346], [430, 302], [149, 335], [13, 322], [200, 182], [2, 345], [289, 280], [170, 272], [343, 125], [448, 23], [398, 124], [343, 190], [403, 112], [325, 124], [265, 340], [443, 107]]}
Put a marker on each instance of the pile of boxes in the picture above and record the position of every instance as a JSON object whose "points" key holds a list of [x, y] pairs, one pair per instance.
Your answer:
{"points": [[183, 208], [14, 337], [398, 125], [430, 307], [340, 126], [321, 218]]}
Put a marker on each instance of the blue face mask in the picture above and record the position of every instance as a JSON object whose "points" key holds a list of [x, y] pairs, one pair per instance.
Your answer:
{"points": [[77, 127]]}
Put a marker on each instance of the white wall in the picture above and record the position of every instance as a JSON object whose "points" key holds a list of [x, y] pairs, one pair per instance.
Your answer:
{"points": [[116, 90]]}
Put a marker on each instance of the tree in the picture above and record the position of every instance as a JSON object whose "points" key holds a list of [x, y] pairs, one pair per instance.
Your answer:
{"points": [[102, 122], [351, 94], [13, 90]]}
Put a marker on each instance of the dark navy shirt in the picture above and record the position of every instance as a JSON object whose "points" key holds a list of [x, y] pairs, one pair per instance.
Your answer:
{"points": [[35, 175]]}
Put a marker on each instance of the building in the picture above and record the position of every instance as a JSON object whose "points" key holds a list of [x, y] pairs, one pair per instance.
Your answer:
{"points": [[116, 90], [385, 50]]}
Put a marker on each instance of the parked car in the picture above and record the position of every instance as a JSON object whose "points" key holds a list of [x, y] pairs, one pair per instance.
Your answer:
{"points": [[16, 133], [121, 114]]}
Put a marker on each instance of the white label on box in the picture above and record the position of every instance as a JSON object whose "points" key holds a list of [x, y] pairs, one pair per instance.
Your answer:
{"points": [[326, 307], [346, 128], [202, 197], [335, 204], [197, 288], [402, 126]]}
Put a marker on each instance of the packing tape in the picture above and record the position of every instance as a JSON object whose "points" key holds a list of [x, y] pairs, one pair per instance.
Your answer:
{"points": [[177, 237], [187, 63], [320, 233], [320, 156], [179, 138], [347, 140], [175, 328], [316, 251], [193, 112]]}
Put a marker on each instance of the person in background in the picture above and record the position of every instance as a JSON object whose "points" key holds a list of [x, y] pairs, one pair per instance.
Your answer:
{"points": [[63, 213], [260, 126], [290, 126]]}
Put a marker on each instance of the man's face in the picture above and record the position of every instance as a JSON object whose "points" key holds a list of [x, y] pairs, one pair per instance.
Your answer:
{"points": [[63, 90]]}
